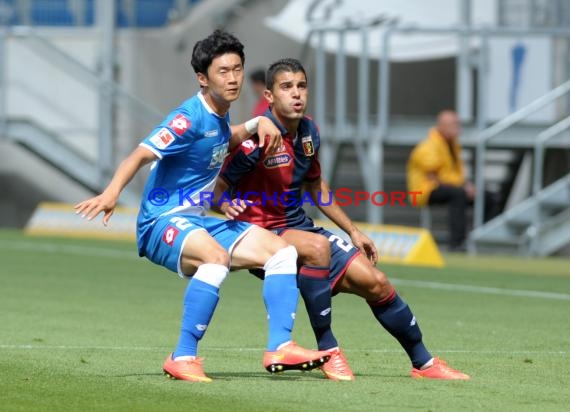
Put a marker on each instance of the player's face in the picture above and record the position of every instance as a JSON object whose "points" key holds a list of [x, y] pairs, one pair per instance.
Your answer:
{"points": [[225, 78], [288, 97]]}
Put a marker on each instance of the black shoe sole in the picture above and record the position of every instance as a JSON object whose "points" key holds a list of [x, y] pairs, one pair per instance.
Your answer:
{"points": [[304, 366]]}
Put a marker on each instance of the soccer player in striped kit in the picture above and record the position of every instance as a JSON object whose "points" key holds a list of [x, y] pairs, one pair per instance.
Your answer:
{"points": [[272, 186]]}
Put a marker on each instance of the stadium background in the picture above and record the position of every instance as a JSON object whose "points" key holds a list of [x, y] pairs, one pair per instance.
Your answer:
{"points": [[83, 81], [85, 323]]}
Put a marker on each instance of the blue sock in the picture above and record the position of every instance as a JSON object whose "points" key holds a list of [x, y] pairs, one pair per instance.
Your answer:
{"points": [[200, 301], [280, 295], [397, 318], [316, 291]]}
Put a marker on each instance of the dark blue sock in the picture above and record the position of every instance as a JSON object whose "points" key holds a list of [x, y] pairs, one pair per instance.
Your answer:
{"points": [[280, 295], [316, 291], [397, 318], [200, 301]]}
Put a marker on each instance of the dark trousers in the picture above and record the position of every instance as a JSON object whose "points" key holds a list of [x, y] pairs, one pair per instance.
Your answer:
{"points": [[456, 199]]}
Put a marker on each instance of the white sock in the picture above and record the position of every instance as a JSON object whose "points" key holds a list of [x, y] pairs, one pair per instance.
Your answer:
{"points": [[183, 358], [427, 364], [283, 344]]}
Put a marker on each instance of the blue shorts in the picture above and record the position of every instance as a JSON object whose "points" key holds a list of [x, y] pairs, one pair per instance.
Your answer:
{"points": [[342, 252], [168, 235]]}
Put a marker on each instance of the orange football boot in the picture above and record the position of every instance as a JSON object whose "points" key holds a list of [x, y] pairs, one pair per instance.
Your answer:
{"points": [[337, 368], [294, 357], [439, 370], [186, 370]]}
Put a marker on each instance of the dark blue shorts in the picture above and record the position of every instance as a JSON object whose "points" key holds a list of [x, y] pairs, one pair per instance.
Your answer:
{"points": [[342, 252]]}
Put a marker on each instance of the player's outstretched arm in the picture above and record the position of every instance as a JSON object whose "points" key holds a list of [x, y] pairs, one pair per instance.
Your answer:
{"points": [[321, 195], [107, 200], [270, 135]]}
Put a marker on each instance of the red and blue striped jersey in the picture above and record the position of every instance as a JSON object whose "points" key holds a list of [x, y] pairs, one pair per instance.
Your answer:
{"points": [[273, 183]]}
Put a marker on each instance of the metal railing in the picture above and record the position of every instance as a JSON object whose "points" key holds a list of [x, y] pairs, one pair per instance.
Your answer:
{"points": [[539, 146], [486, 135], [369, 135], [102, 84]]}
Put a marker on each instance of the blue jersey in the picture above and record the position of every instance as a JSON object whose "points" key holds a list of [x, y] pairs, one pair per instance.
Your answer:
{"points": [[191, 145]]}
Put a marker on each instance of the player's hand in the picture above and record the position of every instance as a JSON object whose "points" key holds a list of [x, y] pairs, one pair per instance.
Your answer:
{"points": [[233, 208], [365, 245], [90, 208], [469, 190], [269, 135]]}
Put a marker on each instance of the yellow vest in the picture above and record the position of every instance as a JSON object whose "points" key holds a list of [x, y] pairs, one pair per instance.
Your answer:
{"points": [[432, 155]]}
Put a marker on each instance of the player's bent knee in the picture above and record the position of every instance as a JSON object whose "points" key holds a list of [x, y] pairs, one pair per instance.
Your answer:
{"points": [[317, 251], [214, 256], [381, 286], [283, 262], [218, 257]]}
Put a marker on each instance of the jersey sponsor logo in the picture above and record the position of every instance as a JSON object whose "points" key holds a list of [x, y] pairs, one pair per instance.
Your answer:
{"points": [[279, 160], [248, 146], [308, 147], [219, 154], [325, 312], [211, 133], [162, 139], [179, 124], [169, 235]]}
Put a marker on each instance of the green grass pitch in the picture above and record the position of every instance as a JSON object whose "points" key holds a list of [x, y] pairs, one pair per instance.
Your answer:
{"points": [[85, 325]]}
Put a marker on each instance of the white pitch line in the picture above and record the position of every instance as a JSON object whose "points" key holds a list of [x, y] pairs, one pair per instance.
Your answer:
{"points": [[121, 254], [221, 349], [69, 249], [482, 289]]}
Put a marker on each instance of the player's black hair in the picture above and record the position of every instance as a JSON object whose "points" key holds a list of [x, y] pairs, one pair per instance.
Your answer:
{"points": [[216, 44], [282, 65], [257, 76]]}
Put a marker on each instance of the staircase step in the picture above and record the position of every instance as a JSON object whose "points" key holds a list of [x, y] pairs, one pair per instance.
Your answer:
{"points": [[520, 222], [555, 203]]}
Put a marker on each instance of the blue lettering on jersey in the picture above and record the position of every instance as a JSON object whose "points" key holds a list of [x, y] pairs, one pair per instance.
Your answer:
{"points": [[219, 154]]}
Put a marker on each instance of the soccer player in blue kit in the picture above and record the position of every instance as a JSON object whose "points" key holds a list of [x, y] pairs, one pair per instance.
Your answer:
{"points": [[271, 186], [188, 149]]}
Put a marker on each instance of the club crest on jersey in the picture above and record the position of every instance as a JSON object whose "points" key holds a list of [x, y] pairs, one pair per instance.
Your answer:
{"points": [[162, 139], [219, 154], [308, 147], [179, 124], [278, 160]]}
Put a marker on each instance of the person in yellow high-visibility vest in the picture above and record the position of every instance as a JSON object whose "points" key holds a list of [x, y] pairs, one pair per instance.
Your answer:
{"points": [[435, 169]]}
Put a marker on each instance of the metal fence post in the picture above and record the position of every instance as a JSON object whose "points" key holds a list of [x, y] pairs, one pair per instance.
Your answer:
{"points": [[3, 83], [106, 24], [481, 124]]}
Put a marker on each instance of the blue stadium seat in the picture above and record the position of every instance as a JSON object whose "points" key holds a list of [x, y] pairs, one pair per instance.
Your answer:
{"points": [[51, 13], [152, 13], [145, 13], [8, 12]]}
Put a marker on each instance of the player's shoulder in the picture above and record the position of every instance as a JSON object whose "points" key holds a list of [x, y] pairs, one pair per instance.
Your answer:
{"points": [[185, 118], [310, 125]]}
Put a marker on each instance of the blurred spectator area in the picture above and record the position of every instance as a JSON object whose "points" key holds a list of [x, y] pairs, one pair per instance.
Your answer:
{"points": [[129, 13]]}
